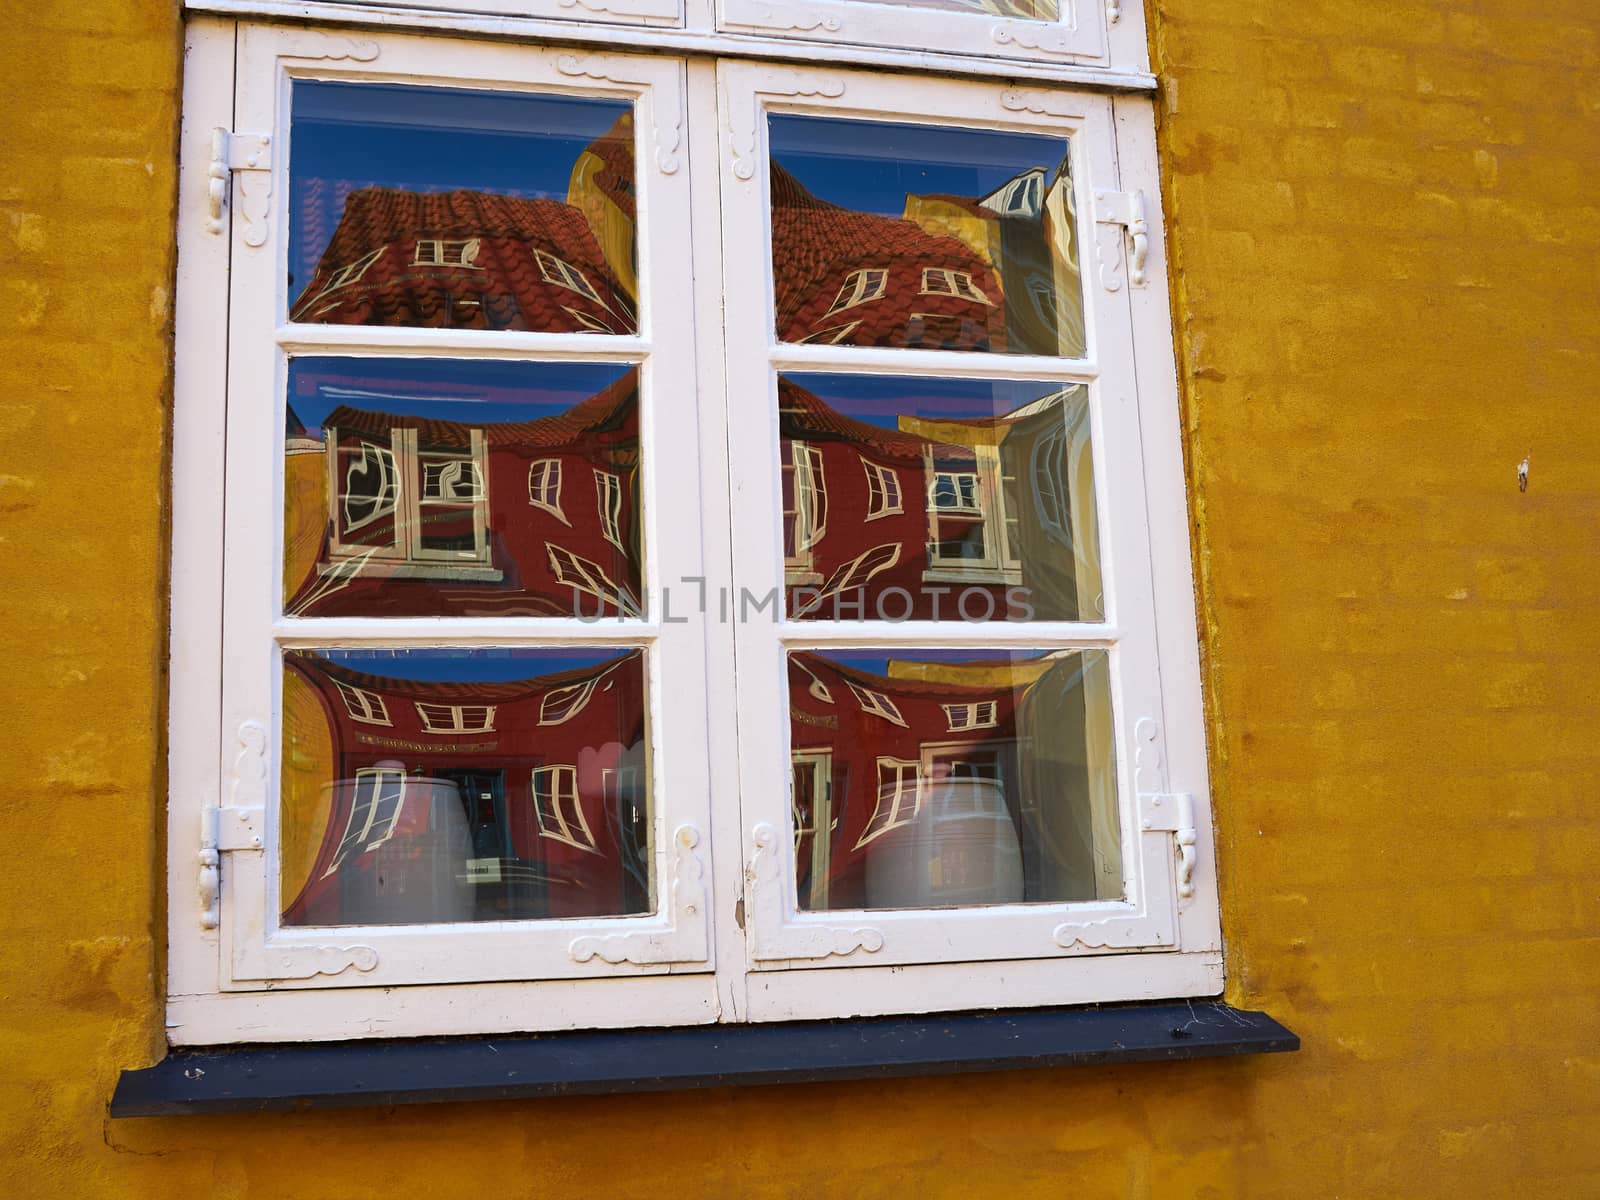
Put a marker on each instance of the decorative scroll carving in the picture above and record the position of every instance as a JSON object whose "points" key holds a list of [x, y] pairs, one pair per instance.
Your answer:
{"points": [[307, 44], [668, 140], [1111, 933], [1149, 757], [773, 940], [623, 8], [687, 941], [1043, 39], [255, 202], [305, 962], [767, 17], [742, 117], [249, 786]]}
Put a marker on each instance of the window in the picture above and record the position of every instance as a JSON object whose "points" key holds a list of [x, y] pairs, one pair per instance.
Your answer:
{"points": [[860, 417], [362, 705], [564, 274], [883, 490], [876, 703], [456, 718], [376, 798], [559, 812], [860, 287], [544, 487], [979, 715], [899, 798], [445, 252], [939, 281], [608, 490]]}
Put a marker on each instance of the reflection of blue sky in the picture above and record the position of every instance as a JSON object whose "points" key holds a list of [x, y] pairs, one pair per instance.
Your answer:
{"points": [[477, 392], [881, 399], [871, 166], [500, 665], [429, 139], [876, 662]]}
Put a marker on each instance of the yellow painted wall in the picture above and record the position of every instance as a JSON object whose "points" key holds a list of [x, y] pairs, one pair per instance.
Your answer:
{"points": [[1385, 228]]}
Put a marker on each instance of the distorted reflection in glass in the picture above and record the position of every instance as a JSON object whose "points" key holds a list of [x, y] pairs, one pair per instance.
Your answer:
{"points": [[439, 487], [1027, 10], [463, 785], [450, 208], [937, 499], [924, 236], [927, 778]]}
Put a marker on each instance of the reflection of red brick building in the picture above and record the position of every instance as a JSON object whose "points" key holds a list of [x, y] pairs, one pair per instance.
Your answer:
{"points": [[940, 782], [938, 519], [479, 260], [426, 517], [465, 260], [471, 800], [856, 278]]}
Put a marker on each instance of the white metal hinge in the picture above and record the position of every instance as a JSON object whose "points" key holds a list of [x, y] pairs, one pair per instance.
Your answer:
{"points": [[225, 830], [1127, 209], [1173, 812], [232, 152]]}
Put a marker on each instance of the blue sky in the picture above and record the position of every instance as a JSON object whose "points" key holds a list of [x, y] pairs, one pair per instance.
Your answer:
{"points": [[478, 391], [880, 399], [871, 166], [436, 139], [467, 666]]}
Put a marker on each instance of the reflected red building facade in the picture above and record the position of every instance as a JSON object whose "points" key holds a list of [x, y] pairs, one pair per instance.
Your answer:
{"points": [[470, 800]]}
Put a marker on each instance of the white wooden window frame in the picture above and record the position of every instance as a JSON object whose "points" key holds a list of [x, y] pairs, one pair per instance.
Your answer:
{"points": [[1154, 941], [234, 966], [720, 748]]}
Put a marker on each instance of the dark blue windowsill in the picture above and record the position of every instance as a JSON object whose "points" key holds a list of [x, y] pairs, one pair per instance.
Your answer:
{"points": [[429, 1071]]}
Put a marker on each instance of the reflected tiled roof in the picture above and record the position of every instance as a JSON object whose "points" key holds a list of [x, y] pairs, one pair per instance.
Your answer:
{"points": [[504, 288]]}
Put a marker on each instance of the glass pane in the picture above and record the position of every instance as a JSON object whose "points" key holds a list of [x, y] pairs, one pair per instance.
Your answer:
{"points": [[439, 487], [463, 785], [450, 208], [927, 778], [937, 499], [924, 236], [1033, 10]]}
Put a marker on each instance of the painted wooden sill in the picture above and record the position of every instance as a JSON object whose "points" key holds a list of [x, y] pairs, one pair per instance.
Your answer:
{"points": [[348, 1074]]}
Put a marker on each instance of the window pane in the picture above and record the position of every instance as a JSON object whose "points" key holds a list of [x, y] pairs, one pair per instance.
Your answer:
{"points": [[1036, 10], [937, 499], [461, 209], [438, 487], [923, 236], [463, 785], [928, 778]]}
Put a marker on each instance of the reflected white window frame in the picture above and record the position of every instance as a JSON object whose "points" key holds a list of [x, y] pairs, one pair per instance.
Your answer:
{"points": [[894, 817], [461, 253], [544, 487], [947, 281], [861, 286], [589, 577], [883, 490], [363, 705], [608, 499], [455, 718], [560, 272], [374, 830], [972, 714], [876, 703], [555, 789]]}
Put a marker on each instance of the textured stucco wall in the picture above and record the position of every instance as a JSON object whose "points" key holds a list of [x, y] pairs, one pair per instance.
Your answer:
{"points": [[1384, 229]]}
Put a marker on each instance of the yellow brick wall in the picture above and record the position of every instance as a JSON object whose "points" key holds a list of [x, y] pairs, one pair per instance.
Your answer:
{"points": [[1385, 227]]}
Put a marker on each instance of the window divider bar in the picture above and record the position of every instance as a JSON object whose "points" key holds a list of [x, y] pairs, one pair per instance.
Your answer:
{"points": [[880, 360], [480, 343]]}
